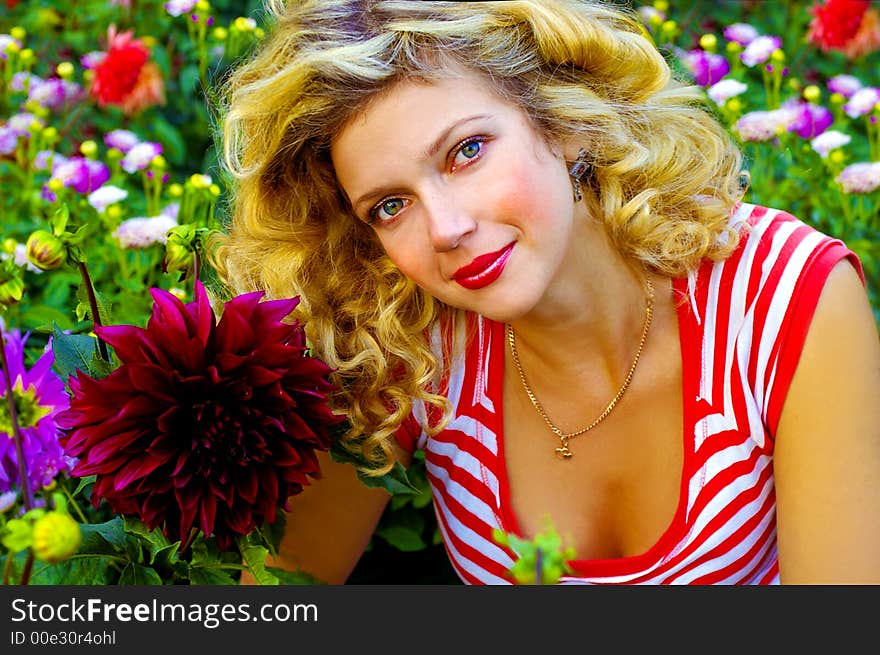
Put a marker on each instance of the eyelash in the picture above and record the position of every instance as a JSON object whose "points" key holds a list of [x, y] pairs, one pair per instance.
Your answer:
{"points": [[372, 214]]}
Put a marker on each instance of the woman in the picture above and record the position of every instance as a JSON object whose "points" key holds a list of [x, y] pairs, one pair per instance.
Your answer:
{"points": [[521, 243]]}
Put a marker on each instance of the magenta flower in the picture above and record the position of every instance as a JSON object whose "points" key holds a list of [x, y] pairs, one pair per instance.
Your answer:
{"points": [[706, 67], [39, 398], [809, 120], [82, 174], [206, 424]]}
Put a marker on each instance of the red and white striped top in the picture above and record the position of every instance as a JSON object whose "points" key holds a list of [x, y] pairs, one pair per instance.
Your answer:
{"points": [[742, 327]]}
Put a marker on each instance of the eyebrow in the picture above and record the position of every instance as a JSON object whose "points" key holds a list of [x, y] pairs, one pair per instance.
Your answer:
{"points": [[429, 152]]}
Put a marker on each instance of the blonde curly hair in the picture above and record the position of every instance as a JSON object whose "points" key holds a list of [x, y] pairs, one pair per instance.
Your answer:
{"points": [[664, 179]]}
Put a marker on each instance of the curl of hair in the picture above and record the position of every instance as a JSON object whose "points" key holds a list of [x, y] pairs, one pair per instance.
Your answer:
{"points": [[664, 174]]}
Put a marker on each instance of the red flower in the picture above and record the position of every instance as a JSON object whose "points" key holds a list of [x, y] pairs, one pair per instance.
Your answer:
{"points": [[124, 77], [205, 424], [835, 22]]}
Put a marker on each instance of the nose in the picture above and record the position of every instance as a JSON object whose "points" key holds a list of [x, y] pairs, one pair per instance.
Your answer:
{"points": [[448, 221]]}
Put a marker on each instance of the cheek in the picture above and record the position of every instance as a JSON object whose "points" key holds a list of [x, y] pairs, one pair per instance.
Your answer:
{"points": [[534, 195]]}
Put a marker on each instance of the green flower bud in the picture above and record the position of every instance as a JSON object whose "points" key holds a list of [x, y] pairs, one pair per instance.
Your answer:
{"points": [[179, 250], [56, 537], [46, 251]]}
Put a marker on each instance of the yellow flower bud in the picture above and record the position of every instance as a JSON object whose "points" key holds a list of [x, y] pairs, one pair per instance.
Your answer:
{"points": [[64, 70], [199, 181], [11, 291], [220, 33], [88, 74], [733, 47], [148, 40], [115, 154], [175, 190], [203, 5], [50, 133], [56, 537], [8, 245], [26, 56], [113, 212], [259, 32], [837, 99], [18, 32], [12, 48], [55, 184], [158, 162], [812, 93], [777, 56], [655, 20], [669, 26], [88, 148], [661, 5], [215, 190], [45, 251], [35, 127], [50, 486], [837, 156], [734, 105], [708, 42]]}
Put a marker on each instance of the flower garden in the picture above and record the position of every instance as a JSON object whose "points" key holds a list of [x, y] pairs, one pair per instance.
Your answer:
{"points": [[153, 428]]}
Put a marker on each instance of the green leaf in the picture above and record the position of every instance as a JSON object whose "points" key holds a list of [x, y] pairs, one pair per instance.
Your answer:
{"points": [[59, 219], [17, 535], [272, 532], [45, 317], [84, 482], [173, 147], [103, 538], [254, 557], [79, 570], [294, 577], [137, 574], [76, 352], [209, 576], [402, 538], [394, 482]]}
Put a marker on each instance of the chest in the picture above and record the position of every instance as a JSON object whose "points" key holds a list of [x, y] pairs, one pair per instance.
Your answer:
{"points": [[620, 490]]}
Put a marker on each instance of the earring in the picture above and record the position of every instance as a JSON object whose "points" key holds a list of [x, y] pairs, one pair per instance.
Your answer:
{"points": [[577, 170]]}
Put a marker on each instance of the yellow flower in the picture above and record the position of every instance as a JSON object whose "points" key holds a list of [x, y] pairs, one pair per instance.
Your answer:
{"points": [[56, 537]]}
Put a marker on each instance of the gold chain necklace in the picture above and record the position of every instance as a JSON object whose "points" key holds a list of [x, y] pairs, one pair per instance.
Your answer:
{"points": [[563, 452]]}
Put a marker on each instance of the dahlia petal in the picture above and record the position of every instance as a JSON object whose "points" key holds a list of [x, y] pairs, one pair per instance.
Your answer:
{"points": [[203, 314], [134, 470], [234, 333], [247, 485], [276, 310], [208, 513]]}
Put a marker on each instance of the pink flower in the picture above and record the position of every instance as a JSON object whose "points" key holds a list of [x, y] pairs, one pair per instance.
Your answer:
{"points": [[764, 125], [862, 102], [829, 140], [144, 232], [725, 89], [741, 33], [706, 67], [845, 85], [863, 177]]}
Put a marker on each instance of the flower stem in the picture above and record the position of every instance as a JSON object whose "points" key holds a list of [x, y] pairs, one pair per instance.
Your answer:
{"points": [[7, 569], [75, 505], [28, 567], [93, 306], [26, 492]]}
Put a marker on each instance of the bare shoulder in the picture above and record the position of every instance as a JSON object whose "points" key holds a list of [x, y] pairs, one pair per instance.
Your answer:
{"points": [[827, 452]]}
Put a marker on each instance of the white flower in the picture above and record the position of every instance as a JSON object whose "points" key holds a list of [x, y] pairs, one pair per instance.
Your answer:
{"points": [[862, 101], [143, 232], [828, 141], [764, 125], [725, 89], [759, 50], [140, 156], [863, 177], [845, 85], [178, 7], [19, 256], [108, 194]]}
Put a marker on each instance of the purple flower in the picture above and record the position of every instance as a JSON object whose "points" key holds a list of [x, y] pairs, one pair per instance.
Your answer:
{"points": [[48, 93], [810, 120], [122, 140], [22, 122], [706, 67], [759, 50], [8, 140], [39, 396], [143, 232], [106, 196], [764, 125], [43, 159], [83, 175], [741, 33], [5, 40], [845, 85], [140, 156], [90, 60], [862, 102], [22, 79]]}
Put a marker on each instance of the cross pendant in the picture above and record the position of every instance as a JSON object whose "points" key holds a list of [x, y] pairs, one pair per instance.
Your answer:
{"points": [[563, 452]]}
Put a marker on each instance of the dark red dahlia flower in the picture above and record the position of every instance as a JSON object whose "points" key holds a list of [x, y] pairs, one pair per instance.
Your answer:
{"points": [[836, 22], [205, 424]]}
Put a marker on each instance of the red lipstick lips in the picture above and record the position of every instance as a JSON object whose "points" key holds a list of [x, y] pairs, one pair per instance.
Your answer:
{"points": [[483, 270]]}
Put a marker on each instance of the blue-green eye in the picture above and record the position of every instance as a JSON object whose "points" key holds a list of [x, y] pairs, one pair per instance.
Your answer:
{"points": [[387, 209], [468, 151]]}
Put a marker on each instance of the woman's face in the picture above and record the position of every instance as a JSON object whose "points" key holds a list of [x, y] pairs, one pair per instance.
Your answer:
{"points": [[466, 198]]}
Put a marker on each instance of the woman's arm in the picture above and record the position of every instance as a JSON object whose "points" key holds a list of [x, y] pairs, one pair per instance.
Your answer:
{"points": [[827, 457], [330, 523]]}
